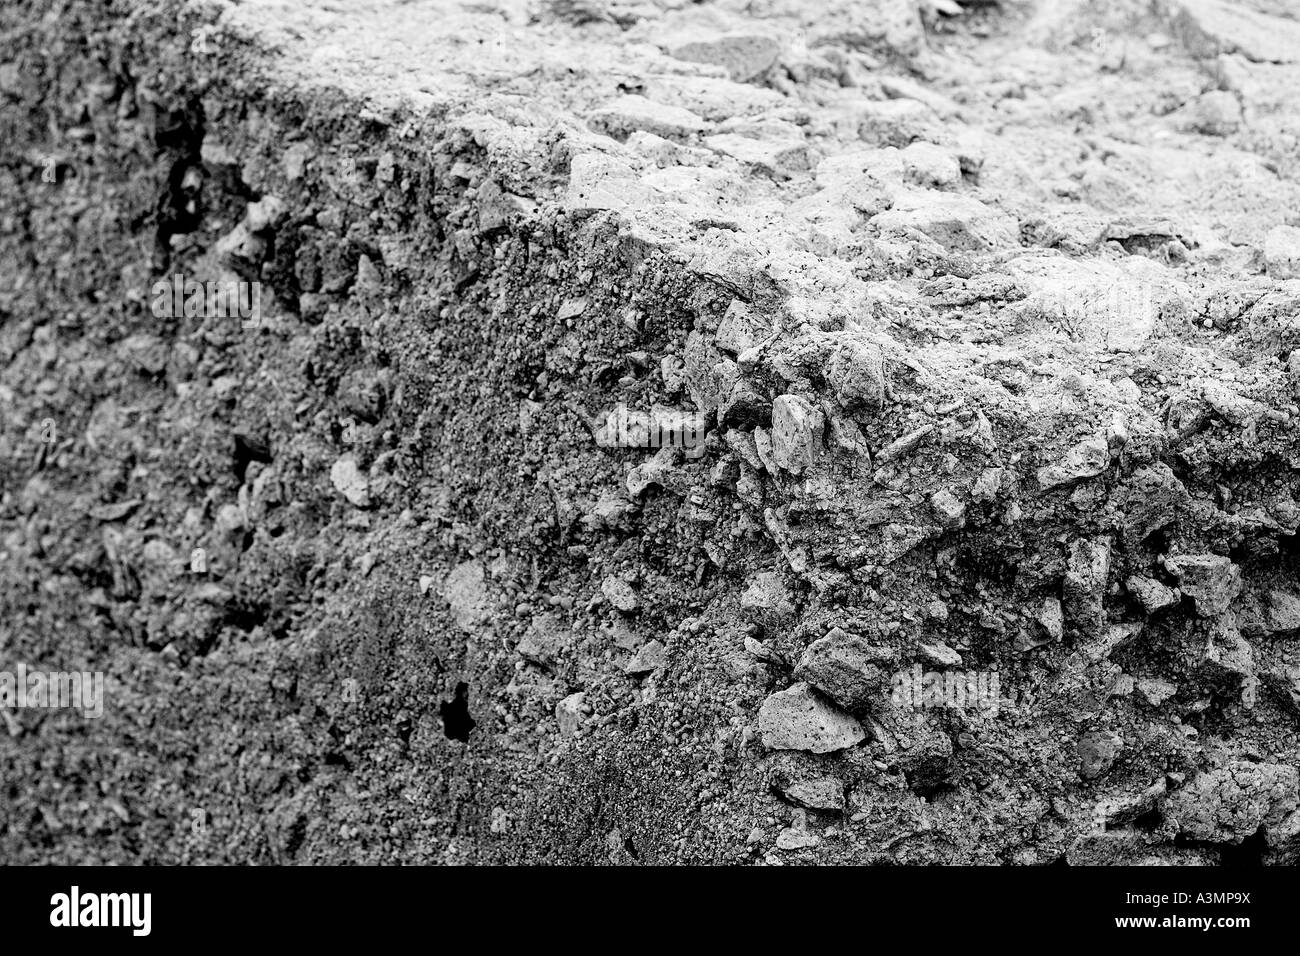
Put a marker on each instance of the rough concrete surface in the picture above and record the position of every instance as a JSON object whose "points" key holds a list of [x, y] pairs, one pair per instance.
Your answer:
{"points": [[742, 431]]}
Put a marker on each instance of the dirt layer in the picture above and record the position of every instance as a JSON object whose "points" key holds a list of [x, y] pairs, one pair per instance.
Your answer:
{"points": [[986, 314]]}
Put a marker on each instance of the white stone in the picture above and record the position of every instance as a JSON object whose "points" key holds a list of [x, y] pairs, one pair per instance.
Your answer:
{"points": [[350, 482], [569, 713], [926, 164], [629, 113], [1282, 252], [1087, 459], [954, 221], [620, 594], [799, 719]]}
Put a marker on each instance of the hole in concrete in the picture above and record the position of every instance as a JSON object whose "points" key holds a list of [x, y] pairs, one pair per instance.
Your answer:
{"points": [[1157, 541], [987, 565], [248, 450], [931, 790], [1149, 820], [246, 616], [336, 759], [456, 721]]}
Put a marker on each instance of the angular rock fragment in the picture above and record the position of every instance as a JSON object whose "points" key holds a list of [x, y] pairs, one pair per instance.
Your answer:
{"points": [[743, 444], [599, 182], [745, 56], [1155, 690], [1152, 499], [713, 97], [847, 437], [940, 654], [1150, 593], [245, 246], [903, 88], [1051, 618], [1137, 235], [898, 539], [895, 122], [652, 656], [776, 157], [265, 214], [856, 371], [1232, 405], [658, 470], [763, 448], [611, 511], [1113, 306], [1282, 612], [904, 446], [815, 793], [988, 484], [926, 164], [959, 223], [497, 209], [798, 718], [632, 112], [1282, 252], [1227, 657], [797, 430], [703, 374], [1084, 587], [1127, 807], [1110, 638], [1097, 751], [797, 837], [1085, 460], [569, 713], [1212, 581], [760, 651], [741, 328], [1212, 27], [543, 642], [767, 600], [948, 509], [846, 668]]}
